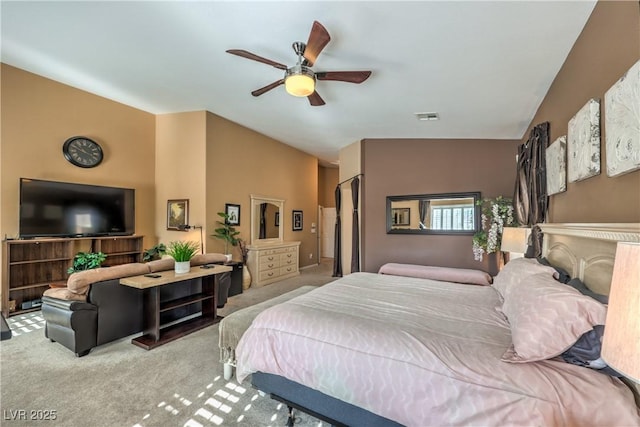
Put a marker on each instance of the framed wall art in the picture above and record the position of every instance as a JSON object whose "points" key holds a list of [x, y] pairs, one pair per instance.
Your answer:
{"points": [[556, 158], [583, 142], [233, 213], [297, 220], [622, 123], [177, 214]]}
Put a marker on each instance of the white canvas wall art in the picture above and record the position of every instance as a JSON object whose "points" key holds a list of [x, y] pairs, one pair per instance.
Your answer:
{"points": [[555, 156], [622, 123], [583, 142]]}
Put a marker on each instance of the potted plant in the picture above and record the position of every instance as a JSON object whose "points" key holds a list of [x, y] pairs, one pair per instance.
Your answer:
{"points": [[227, 233], [155, 252], [87, 261], [182, 252], [496, 214]]}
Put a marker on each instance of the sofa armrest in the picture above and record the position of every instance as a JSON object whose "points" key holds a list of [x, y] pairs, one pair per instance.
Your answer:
{"points": [[68, 305]]}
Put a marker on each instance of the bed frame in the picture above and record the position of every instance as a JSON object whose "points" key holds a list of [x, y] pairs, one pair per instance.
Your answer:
{"points": [[586, 251]]}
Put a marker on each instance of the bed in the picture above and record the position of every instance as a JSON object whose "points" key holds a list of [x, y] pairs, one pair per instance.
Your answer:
{"points": [[372, 349]]}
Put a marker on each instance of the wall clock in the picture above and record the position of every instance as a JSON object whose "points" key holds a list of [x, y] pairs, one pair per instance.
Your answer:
{"points": [[82, 151]]}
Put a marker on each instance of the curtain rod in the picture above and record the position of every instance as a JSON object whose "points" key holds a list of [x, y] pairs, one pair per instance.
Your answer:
{"points": [[347, 180]]}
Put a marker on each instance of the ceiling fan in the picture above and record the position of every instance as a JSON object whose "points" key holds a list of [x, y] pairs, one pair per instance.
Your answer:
{"points": [[300, 80]]}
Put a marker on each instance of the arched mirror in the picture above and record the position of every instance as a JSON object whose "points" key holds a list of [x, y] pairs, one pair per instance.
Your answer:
{"points": [[266, 220]]}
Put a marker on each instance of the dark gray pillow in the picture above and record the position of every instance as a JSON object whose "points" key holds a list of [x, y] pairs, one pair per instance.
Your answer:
{"points": [[578, 285], [586, 352]]}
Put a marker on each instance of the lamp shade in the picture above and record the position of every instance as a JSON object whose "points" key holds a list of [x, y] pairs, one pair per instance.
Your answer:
{"points": [[621, 342], [514, 239]]}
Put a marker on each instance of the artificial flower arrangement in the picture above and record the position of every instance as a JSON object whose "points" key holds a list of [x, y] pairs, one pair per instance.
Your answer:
{"points": [[496, 214]]}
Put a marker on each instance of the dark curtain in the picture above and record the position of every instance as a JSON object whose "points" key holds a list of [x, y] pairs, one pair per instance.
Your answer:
{"points": [[423, 208], [263, 220], [337, 248], [530, 198], [355, 237]]}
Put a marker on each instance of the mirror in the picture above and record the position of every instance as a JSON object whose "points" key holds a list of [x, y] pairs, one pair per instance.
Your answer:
{"points": [[448, 213], [266, 215]]}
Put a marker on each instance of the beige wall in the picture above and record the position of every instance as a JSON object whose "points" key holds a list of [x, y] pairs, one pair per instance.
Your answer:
{"points": [[328, 179], [241, 162], [38, 115], [606, 49], [422, 166], [195, 155], [181, 172]]}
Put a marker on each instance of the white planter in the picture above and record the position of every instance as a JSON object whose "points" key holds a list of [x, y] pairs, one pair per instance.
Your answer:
{"points": [[182, 267]]}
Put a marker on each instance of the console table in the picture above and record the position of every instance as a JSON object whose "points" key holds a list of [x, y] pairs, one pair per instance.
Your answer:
{"points": [[197, 286]]}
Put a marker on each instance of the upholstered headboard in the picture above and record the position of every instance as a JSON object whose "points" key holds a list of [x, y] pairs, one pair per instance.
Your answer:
{"points": [[587, 251]]}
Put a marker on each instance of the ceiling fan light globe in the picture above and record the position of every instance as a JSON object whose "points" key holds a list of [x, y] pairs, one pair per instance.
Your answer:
{"points": [[299, 85], [299, 81]]}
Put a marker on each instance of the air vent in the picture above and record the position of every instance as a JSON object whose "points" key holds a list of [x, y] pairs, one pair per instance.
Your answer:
{"points": [[428, 116]]}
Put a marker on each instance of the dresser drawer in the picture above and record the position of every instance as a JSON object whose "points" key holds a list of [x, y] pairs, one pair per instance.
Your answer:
{"points": [[269, 275], [288, 256], [289, 261], [266, 264], [269, 257], [288, 270]]}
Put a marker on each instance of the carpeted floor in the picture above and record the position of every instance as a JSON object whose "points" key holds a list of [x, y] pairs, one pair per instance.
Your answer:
{"points": [[119, 384]]}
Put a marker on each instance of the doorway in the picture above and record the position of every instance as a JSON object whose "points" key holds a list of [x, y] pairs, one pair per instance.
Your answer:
{"points": [[326, 236]]}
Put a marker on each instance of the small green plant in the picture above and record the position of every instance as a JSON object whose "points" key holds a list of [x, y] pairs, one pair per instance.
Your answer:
{"points": [[182, 251], [226, 232], [155, 252], [87, 261]]}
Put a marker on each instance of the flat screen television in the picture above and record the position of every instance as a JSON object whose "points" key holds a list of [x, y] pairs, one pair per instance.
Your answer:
{"points": [[64, 209]]}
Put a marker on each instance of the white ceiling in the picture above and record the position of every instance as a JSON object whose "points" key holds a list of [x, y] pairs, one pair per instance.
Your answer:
{"points": [[484, 66]]}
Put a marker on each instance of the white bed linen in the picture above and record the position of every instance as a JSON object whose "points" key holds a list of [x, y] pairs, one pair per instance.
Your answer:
{"points": [[423, 353]]}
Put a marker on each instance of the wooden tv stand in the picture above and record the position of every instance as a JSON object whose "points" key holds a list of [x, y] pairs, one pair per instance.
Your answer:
{"points": [[156, 334]]}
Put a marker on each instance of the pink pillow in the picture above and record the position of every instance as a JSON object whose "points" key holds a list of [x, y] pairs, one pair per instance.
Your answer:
{"points": [[447, 274], [547, 317], [519, 269]]}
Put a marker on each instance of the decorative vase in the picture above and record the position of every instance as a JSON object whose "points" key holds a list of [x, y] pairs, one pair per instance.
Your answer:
{"points": [[182, 267], [246, 278]]}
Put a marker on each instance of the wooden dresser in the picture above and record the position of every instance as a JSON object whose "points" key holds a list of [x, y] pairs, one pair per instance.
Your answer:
{"points": [[273, 262]]}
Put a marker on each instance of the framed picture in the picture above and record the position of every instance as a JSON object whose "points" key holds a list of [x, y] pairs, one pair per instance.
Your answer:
{"points": [[277, 219], [233, 212], [177, 214], [555, 156], [297, 220], [583, 142], [400, 216], [622, 123]]}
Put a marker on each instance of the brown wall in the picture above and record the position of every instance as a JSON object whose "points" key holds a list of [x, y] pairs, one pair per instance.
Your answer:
{"points": [[608, 46], [421, 166], [327, 182]]}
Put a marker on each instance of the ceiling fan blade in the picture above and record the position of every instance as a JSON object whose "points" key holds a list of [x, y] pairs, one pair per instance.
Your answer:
{"points": [[315, 99], [267, 88], [249, 55], [318, 39], [344, 76]]}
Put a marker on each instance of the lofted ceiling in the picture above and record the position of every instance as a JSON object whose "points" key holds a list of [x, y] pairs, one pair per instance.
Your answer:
{"points": [[483, 66]]}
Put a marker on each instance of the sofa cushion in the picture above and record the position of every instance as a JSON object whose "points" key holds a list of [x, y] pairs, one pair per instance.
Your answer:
{"points": [[79, 282], [211, 258], [161, 264]]}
